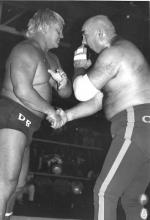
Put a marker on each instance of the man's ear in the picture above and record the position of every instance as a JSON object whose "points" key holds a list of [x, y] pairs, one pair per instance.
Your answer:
{"points": [[45, 28], [101, 34]]}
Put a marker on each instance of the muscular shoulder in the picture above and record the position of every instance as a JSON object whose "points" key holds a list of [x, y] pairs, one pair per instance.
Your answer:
{"points": [[109, 61], [123, 54], [24, 59], [110, 55], [24, 51], [113, 57]]}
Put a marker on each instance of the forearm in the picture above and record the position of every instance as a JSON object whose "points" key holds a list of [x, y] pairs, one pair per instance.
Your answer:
{"points": [[84, 109], [34, 101], [81, 63], [60, 83], [79, 71], [65, 91]]}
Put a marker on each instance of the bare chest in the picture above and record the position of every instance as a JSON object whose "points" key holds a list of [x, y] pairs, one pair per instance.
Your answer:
{"points": [[42, 75]]}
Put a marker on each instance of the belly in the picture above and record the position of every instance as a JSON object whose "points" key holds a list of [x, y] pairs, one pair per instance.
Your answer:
{"points": [[116, 103], [44, 90]]}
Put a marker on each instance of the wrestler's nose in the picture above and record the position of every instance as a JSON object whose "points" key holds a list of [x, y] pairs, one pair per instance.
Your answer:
{"points": [[61, 35], [83, 40]]}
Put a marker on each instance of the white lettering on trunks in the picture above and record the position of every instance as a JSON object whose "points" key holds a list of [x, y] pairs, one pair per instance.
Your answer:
{"points": [[21, 117], [146, 119]]}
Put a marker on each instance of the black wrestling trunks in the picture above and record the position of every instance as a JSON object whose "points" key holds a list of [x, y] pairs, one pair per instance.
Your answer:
{"points": [[15, 116]]}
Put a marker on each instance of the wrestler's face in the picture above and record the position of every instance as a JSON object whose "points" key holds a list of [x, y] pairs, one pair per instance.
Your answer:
{"points": [[53, 35], [88, 35], [91, 37]]}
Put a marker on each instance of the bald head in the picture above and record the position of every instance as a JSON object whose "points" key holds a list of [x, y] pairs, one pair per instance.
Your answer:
{"points": [[100, 22]]}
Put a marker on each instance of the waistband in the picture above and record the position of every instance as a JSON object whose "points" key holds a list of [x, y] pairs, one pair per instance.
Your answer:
{"points": [[16, 104], [133, 113]]}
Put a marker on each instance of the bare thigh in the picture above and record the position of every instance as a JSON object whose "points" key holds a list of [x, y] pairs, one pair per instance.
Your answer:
{"points": [[24, 168], [12, 146]]}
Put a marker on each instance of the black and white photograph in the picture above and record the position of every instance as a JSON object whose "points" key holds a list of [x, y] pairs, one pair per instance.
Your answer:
{"points": [[74, 110]]}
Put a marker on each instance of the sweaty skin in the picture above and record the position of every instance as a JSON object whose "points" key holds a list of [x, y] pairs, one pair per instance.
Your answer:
{"points": [[27, 80], [123, 74]]}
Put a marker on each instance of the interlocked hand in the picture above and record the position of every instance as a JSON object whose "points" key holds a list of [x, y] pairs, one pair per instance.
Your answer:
{"points": [[55, 120], [63, 116], [58, 119]]}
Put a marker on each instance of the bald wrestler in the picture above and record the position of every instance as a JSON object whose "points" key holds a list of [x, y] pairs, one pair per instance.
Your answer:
{"points": [[26, 94], [119, 82]]}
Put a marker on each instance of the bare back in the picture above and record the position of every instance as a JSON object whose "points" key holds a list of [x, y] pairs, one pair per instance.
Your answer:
{"points": [[124, 76]]}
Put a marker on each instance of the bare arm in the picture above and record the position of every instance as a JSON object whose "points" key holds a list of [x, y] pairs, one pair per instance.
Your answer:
{"points": [[66, 90], [105, 68], [23, 67], [84, 109]]}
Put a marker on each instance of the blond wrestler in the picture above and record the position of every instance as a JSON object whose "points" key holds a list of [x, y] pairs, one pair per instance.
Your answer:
{"points": [[119, 82], [26, 97]]}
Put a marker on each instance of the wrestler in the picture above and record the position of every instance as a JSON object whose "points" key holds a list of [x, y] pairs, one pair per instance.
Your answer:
{"points": [[119, 82], [26, 97]]}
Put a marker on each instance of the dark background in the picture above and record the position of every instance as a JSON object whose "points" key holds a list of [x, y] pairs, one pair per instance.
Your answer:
{"points": [[81, 144]]}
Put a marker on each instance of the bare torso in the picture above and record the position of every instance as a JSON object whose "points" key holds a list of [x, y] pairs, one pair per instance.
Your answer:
{"points": [[41, 77], [130, 82]]}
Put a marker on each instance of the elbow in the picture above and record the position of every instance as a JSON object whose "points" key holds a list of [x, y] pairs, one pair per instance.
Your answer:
{"points": [[21, 94], [78, 89], [79, 95], [66, 92], [81, 90]]}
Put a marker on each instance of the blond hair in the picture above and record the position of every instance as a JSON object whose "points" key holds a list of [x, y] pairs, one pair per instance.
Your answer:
{"points": [[42, 18]]}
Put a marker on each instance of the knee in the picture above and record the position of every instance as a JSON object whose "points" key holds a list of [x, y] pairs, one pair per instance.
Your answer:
{"points": [[19, 189], [97, 193], [7, 188], [97, 188], [100, 195], [21, 184]]}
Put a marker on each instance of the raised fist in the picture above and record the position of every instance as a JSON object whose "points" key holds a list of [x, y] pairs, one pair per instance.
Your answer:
{"points": [[80, 58], [80, 53]]}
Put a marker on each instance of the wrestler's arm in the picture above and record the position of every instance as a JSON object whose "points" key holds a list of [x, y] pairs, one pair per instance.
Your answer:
{"points": [[66, 90], [105, 68], [85, 109], [23, 68]]}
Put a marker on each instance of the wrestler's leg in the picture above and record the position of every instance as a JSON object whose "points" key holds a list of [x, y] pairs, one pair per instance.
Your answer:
{"points": [[21, 183], [12, 146], [130, 199], [122, 163]]}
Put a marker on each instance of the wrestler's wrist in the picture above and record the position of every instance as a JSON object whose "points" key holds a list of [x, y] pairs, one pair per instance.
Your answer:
{"points": [[69, 115], [50, 111], [79, 71]]}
